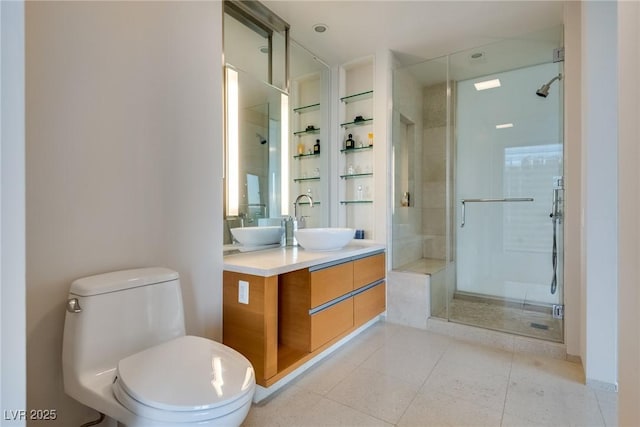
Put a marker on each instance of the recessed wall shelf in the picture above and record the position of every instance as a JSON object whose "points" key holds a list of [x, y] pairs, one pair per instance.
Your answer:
{"points": [[307, 132], [356, 175], [351, 150], [307, 108], [356, 111], [357, 97], [358, 123], [301, 156], [315, 178], [307, 203], [354, 202]]}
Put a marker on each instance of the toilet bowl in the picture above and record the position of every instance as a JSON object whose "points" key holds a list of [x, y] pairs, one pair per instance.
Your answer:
{"points": [[126, 355], [190, 389]]}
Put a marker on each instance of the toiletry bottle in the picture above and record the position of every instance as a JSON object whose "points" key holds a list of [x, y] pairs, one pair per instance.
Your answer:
{"points": [[300, 148], [316, 147], [289, 225], [359, 193], [350, 143]]}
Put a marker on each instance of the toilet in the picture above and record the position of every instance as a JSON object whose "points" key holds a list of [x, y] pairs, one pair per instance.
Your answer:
{"points": [[125, 354]]}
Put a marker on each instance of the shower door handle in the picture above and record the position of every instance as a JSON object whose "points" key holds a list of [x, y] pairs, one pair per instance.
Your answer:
{"points": [[510, 199]]}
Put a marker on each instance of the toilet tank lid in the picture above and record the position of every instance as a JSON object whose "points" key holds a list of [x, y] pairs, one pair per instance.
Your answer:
{"points": [[121, 280]]}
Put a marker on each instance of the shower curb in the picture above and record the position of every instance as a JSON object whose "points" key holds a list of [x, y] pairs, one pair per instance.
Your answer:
{"points": [[500, 340]]}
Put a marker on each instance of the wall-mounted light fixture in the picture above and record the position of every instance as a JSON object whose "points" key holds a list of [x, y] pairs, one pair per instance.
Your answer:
{"points": [[284, 154], [233, 186]]}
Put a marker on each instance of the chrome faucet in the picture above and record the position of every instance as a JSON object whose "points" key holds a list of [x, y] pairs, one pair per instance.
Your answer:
{"points": [[295, 204], [290, 224]]}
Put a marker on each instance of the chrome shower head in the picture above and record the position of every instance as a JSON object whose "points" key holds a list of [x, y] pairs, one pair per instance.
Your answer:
{"points": [[261, 138], [544, 89]]}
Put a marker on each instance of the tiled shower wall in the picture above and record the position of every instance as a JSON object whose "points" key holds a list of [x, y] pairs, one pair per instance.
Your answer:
{"points": [[434, 163], [408, 169]]}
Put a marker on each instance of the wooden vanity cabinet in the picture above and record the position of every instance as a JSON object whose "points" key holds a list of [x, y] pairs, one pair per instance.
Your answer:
{"points": [[331, 322], [368, 275], [322, 303], [252, 328], [304, 323], [368, 304], [329, 283], [368, 270], [292, 317]]}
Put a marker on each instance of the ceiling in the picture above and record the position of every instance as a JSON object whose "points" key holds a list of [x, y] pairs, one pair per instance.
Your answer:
{"points": [[414, 30]]}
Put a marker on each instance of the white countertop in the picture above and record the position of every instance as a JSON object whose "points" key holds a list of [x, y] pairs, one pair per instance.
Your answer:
{"points": [[271, 262]]}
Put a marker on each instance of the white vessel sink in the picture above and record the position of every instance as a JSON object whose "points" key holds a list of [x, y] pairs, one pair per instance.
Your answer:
{"points": [[324, 239], [257, 236]]}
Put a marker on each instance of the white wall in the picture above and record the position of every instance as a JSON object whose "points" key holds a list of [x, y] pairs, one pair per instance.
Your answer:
{"points": [[383, 90], [600, 135], [573, 253], [629, 231], [12, 239], [124, 135]]}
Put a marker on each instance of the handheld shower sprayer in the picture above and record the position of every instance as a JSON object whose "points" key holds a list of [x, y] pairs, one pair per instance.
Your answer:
{"points": [[544, 89], [557, 203]]}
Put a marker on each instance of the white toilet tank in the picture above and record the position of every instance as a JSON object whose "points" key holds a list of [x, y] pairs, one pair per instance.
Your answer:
{"points": [[113, 315]]}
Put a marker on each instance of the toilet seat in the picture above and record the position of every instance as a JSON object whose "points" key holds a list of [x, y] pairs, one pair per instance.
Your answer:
{"points": [[186, 379]]}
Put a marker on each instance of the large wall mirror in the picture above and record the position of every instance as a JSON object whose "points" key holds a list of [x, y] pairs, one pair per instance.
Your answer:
{"points": [[275, 92], [256, 125], [256, 116]]}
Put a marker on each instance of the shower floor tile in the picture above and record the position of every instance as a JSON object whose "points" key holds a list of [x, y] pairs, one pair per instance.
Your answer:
{"points": [[498, 317]]}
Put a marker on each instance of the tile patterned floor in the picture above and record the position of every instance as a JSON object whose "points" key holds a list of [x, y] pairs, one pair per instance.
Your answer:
{"points": [[392, 375], [502, 318]]}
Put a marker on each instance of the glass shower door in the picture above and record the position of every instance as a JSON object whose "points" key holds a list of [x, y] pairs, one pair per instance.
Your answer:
{"points": [[509, 200]]}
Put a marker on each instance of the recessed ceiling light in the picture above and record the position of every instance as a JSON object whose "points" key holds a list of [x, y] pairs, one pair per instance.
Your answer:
{"points": [[504, 126], [487, 84], [477, 57], [320, 28]]}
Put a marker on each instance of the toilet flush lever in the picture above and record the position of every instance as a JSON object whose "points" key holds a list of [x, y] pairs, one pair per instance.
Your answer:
{"points": [[73, 306]]}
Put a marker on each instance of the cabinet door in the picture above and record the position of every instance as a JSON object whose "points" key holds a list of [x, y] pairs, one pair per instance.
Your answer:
{"points": [[331, 322], [368, 304], [368, 270], [330, 283]]}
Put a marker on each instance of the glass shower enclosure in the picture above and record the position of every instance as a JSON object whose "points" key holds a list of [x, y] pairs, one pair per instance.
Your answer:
{"points": [[486, 166]]}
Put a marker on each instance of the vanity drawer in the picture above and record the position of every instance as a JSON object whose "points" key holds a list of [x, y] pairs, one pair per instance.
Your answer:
{"points": [[331, 322], [368, 304], [330, 283], [368, 270]]}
